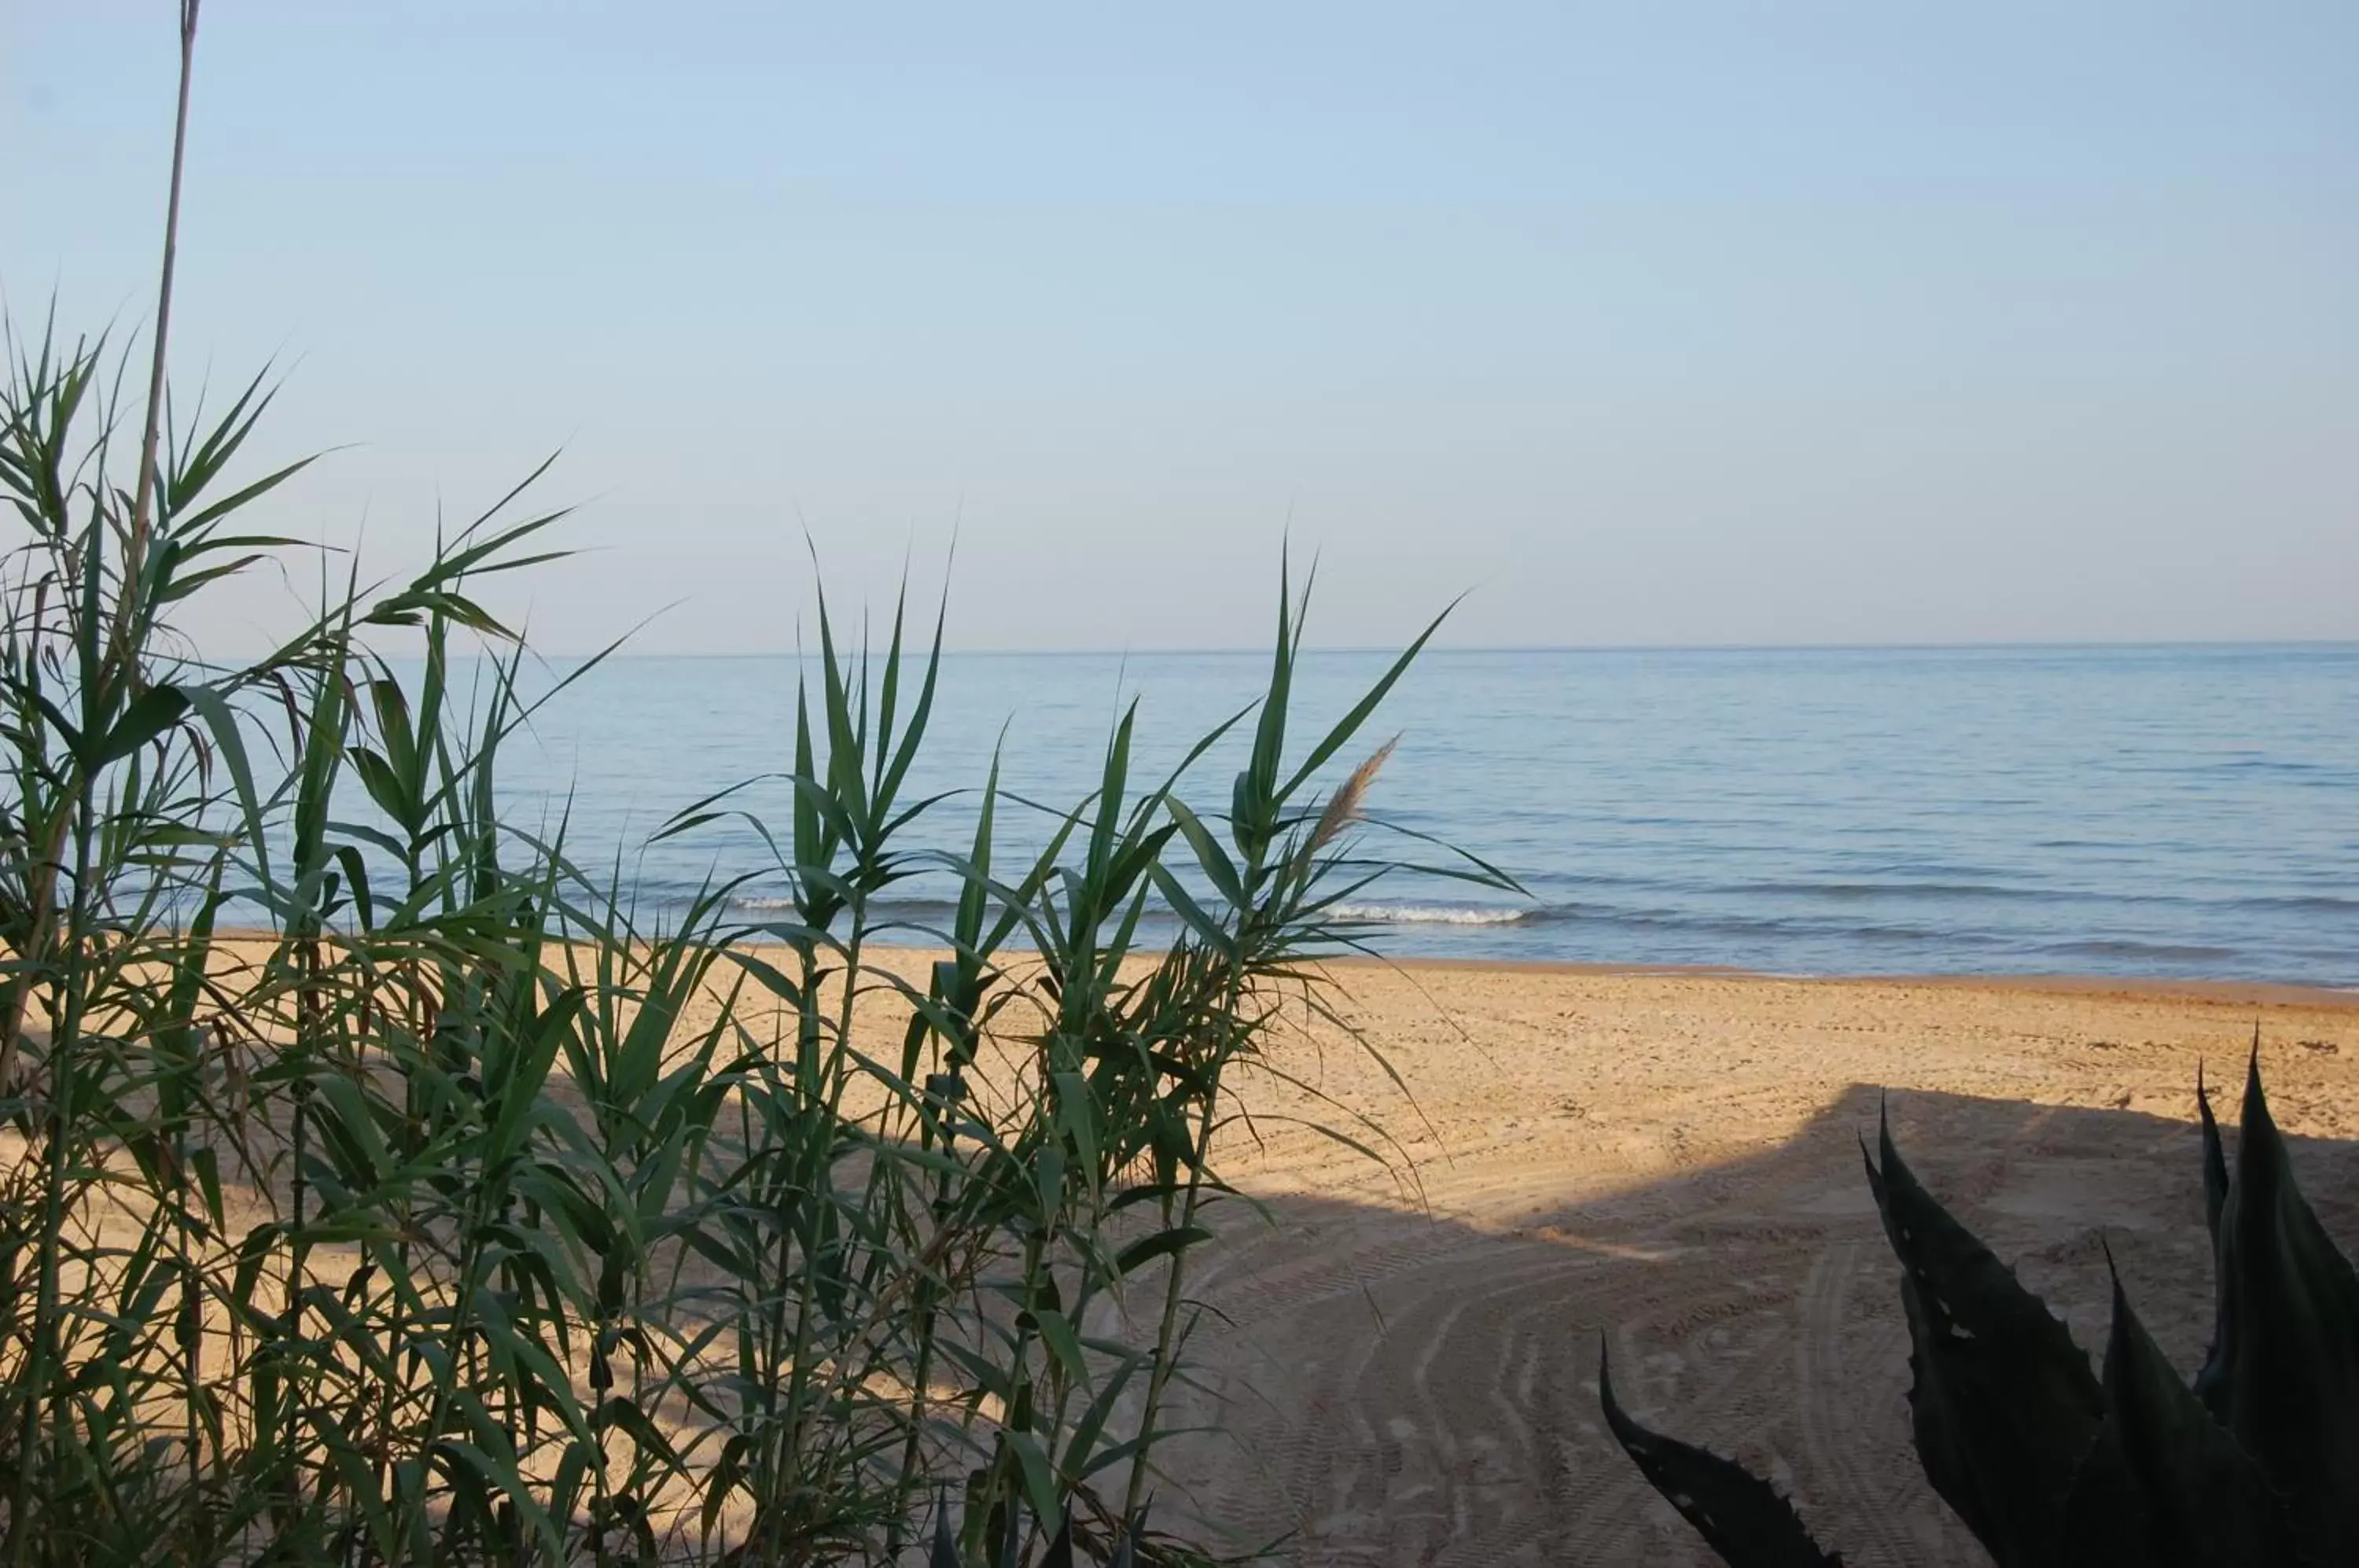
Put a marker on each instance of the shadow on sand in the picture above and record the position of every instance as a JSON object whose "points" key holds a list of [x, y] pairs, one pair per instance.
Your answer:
{"points": [[1397, 1388]]}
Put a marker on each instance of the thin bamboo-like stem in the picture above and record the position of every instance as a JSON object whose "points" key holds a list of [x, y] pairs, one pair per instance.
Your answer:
{"points": [[151, 433], [43, 1354], [821, 1189], [1159, 1376]]}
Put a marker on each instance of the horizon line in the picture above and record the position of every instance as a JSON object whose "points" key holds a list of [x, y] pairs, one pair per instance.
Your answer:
{"points": [[1262, 650]]}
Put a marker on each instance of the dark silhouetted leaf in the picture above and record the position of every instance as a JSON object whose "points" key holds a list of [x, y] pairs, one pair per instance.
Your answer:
{"points": [[945, 1553], [1739, 1515], [2283, 1375], [2165, 1486], [1125, 1545], [2005, 1404], [2215, 1162], [1060, 1550]]}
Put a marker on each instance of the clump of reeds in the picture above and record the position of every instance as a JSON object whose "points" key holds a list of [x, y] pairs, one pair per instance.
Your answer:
{"points": [[451, 1212]]}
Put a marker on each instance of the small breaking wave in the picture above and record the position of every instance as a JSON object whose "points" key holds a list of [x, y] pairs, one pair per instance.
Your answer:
{"points": [[1430, 915], [2122, 949], [887, 910]]}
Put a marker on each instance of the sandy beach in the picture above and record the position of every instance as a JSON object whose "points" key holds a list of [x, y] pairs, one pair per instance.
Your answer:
{"points": [[1402, 1365], [1398, 1360]]}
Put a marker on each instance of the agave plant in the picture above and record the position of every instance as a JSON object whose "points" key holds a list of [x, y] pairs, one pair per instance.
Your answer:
{"points": [[2050, 1462], [1063, 1550]]}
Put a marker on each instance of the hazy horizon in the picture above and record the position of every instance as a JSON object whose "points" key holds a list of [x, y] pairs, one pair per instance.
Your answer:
{"points": [[1692, 328], [1248, 650]]}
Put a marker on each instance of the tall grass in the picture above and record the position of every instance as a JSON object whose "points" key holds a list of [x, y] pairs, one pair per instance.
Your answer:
{"points": [[377, 1185], [453, 1213]]}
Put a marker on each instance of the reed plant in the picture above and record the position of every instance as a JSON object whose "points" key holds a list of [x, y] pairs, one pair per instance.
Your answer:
{"points": [[453, 1211], [378, 1184]]}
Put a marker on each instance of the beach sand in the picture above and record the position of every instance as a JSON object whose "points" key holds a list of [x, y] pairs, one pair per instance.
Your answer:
{"points": [[1398, 1361], [1403, 1368]]}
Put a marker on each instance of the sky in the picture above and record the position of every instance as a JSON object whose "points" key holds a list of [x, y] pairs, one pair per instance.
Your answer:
{"points": [[1677, 324]]}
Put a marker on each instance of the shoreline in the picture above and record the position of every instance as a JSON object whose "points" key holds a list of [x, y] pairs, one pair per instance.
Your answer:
{"points": [[2223, 991], [2229, 991]]}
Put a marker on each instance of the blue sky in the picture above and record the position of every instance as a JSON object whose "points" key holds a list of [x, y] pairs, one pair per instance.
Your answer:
{"points": [[1679, 323]]}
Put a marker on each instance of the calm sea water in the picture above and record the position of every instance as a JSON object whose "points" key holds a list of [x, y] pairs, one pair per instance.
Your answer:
{"points": [[2172, 812]]}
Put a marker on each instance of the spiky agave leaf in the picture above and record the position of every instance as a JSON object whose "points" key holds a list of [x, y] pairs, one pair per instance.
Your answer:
{"points": [[2165, 1486], [1125, 1545], [1739, 1515], [2283, 1373], [945, 1553], [2003, 1403], [1060, 1550], [2215, 1161]]}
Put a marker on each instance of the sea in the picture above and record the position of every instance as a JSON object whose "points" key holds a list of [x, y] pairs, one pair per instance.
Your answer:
{"points": [[2155, 812]]}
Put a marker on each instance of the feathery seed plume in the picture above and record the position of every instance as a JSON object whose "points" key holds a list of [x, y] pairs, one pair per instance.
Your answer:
{"points": [[1344, 805]]}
